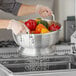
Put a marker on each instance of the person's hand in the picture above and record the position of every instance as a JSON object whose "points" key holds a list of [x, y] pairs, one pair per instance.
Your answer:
{"points": [[43, 11], [17, 27]]}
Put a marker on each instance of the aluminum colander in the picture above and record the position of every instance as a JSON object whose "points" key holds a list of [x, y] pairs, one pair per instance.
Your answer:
{"points": [[36, 44]]}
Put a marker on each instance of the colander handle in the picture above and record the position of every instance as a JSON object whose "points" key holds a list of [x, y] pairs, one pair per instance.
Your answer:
{"points": [[26, 29], [53, 17], [14, 37]]}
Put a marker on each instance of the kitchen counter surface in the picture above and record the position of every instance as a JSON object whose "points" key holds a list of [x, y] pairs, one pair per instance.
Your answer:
{"points": [[49, 73]]}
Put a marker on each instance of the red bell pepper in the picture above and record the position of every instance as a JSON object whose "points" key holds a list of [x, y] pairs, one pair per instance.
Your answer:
{"points": [[31, 24], [54, 27]]}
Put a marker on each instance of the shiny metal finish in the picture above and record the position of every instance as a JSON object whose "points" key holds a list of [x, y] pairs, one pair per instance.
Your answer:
{"points": [[36, 44]]}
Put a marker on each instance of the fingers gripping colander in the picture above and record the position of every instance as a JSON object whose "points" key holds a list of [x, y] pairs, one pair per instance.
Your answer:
{"points": [[36, 44]]}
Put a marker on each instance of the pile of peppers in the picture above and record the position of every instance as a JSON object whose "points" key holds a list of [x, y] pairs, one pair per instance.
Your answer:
{"points": [[39, 26]]}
